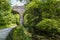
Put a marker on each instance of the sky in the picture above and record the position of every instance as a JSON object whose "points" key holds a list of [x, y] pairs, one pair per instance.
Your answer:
{"points": [[14, 2]]}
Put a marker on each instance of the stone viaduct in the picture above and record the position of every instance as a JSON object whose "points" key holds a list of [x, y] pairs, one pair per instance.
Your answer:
{"points": [[20, 10]]}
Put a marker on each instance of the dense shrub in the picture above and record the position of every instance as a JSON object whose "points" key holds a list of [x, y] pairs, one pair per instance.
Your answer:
{"points": [[17, 19], [33, 14], [49, 25], [19, 33], [38, 10], [5, 13], [7, 18]]}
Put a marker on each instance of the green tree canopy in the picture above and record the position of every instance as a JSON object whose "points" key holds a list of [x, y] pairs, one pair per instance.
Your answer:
{"points": [[6, 17], [37, 10]]}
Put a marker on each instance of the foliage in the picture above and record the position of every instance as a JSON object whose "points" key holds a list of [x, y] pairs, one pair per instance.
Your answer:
{"points": [[45, 14], [49, 25], [19, 34], [37, 10], [32, 14], [5, 6], [7, 18], [5, 13], [17, 19], [51, 9], [41, 14]]}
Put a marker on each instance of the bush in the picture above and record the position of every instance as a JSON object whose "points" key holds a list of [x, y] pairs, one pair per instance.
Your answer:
{"points": [[32, 15], [17, 19], [49, 25], [5, 13], [19, 33], [38, 10]]}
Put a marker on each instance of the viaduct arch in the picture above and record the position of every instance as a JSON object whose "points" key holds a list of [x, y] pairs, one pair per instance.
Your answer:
{"points": [[20, 10]]}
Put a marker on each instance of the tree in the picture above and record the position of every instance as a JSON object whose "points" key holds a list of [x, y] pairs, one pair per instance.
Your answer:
{"points": [[44, 14], [49, 25], [37, 10], [6, 17], [33, 13]]}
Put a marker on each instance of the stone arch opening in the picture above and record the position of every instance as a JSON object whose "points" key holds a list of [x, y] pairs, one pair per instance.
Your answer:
{"points": [[20, 10]]}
